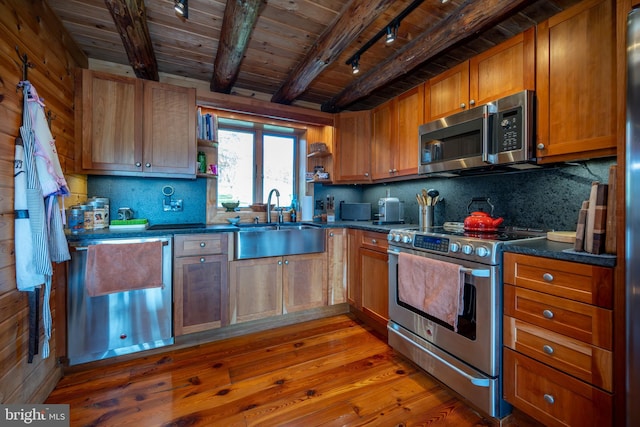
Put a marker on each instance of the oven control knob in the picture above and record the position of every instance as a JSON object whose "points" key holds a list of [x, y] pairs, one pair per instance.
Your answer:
{"points": [[467, 249], [390, 237], [482, 251], [455, 247], [406, 239], [396, 237]]}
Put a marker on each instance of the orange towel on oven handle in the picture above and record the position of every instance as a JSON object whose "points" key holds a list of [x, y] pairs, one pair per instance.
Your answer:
{"points": [[432, 286], [123, 267]]}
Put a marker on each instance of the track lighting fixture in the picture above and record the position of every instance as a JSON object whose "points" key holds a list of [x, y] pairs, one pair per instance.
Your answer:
{"points": [[182, 8], [355, 65], [392, 32]]}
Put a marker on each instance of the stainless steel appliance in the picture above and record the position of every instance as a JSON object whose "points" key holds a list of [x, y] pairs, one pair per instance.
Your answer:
{"points": [[497, 133], [390, 211], [632, 232], [118, 323], [355, 211], [467, 360]]}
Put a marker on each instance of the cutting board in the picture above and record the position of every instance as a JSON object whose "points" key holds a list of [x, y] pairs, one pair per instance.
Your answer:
{"points": [[562, 236]]}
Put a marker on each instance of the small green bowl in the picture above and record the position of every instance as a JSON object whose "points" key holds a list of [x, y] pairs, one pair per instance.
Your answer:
{"points": [[230, 206]]}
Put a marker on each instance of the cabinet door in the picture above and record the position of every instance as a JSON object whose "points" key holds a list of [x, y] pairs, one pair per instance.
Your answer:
{"points": [[503, 70], [255, 289], [304, 282], [576, 84], [352, 157], [382, 141], [169, 129], [337, 264], [199, 293], [354, 289], [374, 281], [409, 116], [448, 92], [108, 122]]}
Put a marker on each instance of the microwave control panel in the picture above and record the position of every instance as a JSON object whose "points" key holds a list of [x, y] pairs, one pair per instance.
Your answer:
{"points": [[509, 132]]}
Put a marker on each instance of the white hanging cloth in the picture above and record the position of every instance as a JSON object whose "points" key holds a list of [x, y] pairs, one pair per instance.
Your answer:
{"points": [[39, 229]]}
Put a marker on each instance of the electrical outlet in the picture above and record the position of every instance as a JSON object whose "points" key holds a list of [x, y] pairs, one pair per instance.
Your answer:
{"points": [[172, 205]]}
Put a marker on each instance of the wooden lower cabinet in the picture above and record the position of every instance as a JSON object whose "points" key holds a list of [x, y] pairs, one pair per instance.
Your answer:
{"points": [[553, 397], [558, 327], [200, 282], [368, 284], [337, 265], [265, 287]]}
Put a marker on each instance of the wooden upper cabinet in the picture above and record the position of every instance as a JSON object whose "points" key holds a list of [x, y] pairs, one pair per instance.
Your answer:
{"points": [[108, 115], [382, 140], [448, 92], [130, 126], [500, 71], [576, 85], [169, 129], [352, 159], [394, 144]]}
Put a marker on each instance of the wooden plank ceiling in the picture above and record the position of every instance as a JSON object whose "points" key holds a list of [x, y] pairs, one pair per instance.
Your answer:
{"points": [[295, 51]]}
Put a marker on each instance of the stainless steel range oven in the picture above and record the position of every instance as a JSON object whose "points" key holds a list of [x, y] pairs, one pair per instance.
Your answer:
{"points": [[466, 356]]}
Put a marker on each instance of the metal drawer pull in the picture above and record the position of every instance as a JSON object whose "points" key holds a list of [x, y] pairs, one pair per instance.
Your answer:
{"points": [[548, 314], [547, 349], [548, 277], [374, 241], [202, 260], [549, 399], [203, 244]]}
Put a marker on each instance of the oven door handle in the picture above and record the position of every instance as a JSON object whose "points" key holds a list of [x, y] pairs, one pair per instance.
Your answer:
{"points": [[480, 382], [476, 272]]}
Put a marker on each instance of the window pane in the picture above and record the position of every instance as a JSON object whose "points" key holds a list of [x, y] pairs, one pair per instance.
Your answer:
{"points": [[279, 171], [235, 167]]}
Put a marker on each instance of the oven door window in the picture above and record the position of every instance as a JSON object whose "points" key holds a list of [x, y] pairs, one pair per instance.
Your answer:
{"points": [[466, 321]]}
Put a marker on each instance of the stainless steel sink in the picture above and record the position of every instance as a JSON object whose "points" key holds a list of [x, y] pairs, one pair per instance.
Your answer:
{"points": [[266, 240]]}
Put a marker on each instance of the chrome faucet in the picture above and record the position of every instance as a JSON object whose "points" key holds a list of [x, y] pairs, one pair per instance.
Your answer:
{"points": [[269, 204]]}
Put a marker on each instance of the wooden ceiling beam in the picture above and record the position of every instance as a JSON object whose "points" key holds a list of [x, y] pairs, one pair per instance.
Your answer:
{"points": [[237, 25], [130, 18], [472, 17], [354, 18]]}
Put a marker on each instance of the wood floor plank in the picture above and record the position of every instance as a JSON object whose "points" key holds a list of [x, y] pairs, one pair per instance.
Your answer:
{"points": [[334, 371]]}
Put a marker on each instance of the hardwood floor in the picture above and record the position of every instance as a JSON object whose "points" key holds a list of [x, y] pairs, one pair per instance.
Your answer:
{"points": [[330, 372]]}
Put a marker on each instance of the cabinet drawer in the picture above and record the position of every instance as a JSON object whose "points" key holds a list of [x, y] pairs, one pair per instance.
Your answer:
{"points": [[584, 322], [374, 241], [200, 244], [584, 361], [552, 397], [579, 282]]}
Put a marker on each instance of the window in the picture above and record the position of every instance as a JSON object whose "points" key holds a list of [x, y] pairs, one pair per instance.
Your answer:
{"points": [[255, 158]]}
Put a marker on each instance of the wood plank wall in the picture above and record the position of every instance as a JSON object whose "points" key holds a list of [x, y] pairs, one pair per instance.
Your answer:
{"points": [[30, 26]]}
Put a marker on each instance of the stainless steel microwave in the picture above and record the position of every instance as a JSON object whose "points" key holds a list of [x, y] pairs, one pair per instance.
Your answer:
{"points": [[497, 133]]}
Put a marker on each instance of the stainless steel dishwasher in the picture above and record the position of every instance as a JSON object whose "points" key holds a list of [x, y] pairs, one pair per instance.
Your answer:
{"points": [[118, 323]]}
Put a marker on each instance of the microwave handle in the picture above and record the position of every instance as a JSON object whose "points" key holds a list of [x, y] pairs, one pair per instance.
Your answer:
{"points": [[485, 137]]}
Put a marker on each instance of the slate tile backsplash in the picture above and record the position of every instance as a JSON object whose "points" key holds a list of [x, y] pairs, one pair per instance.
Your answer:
{"points": [[144, 196], [546, 198]]}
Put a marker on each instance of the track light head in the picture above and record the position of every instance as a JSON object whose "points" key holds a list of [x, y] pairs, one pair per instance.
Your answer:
{"points": [[182, 8], [392, 33], [355, 65]]}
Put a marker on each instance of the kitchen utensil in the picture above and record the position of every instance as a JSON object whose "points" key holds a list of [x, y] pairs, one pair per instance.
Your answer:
{"points": [[479, 220], [432, 193]]}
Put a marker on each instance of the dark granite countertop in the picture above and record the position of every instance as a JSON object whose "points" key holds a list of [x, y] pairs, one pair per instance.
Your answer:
{"points": [[562, 251], [107, 233]]}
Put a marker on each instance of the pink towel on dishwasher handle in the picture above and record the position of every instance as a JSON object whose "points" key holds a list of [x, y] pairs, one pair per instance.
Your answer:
{"points": [[435, 287], [123, 267]]}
